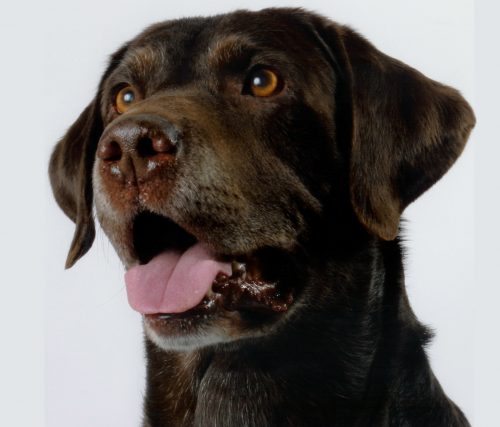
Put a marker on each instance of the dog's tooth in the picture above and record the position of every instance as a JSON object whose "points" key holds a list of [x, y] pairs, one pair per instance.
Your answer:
{"points": [[239, 269]]}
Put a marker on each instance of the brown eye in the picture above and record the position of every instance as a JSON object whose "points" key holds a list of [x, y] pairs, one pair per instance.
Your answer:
{"points": [[125, 98], [264, 82]]}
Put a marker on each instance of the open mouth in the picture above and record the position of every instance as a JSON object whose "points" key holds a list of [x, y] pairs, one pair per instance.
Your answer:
{"points": [[180, 276]]}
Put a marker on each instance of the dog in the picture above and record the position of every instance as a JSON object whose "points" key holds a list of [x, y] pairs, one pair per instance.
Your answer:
{"points": [[251, 169]]}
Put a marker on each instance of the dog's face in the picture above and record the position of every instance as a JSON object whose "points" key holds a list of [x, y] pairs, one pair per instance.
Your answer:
{"points": [[224, 155]]}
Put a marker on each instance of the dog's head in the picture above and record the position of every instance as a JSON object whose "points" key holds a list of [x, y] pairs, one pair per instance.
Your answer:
{"points": [[220, 152]]}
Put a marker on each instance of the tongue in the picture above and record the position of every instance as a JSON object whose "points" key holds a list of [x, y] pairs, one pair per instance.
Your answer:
{"points": [[173, 282]]}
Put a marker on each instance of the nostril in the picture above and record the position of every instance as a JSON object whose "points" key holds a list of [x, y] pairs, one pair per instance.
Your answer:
{"points": [[145, 147], [150, 146], [110, 151]]}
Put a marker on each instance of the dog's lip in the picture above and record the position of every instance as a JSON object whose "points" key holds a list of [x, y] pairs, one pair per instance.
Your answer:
{"points": [[204, 308], [243, 293]]}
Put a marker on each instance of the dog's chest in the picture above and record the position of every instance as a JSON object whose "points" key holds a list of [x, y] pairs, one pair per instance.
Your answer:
{"points": [[235, 396]]}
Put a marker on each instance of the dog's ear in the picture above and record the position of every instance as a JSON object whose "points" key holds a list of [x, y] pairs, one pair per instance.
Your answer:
{"points": [[70, 170], [406, 130]]}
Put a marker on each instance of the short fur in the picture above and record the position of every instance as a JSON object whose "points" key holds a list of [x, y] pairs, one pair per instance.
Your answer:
{"points": [[311, 181]]}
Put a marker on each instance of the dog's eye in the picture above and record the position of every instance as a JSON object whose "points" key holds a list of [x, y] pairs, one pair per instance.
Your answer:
{"points": [[125, 98], [264, 82]]}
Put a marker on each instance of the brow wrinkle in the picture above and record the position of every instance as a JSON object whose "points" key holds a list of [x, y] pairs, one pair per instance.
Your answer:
{"points": [[229, 49], [143, 60]]}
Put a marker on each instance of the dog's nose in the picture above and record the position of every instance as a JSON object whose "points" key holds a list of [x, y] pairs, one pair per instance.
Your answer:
{"points": [[137, 145]]}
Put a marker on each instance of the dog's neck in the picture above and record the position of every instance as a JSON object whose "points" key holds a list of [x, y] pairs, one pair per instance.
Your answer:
{"points": [[301, 374]]}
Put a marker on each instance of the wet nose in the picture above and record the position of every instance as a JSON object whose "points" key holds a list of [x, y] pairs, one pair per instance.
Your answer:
{"points": [[138, 145]]}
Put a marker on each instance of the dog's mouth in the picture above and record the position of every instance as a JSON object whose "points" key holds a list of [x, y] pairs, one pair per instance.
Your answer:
{"points": [[179, 276]]}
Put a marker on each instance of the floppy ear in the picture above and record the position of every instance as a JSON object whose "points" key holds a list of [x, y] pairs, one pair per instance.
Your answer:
{"points": [[406, 129], [70, 172], [70, 169]]}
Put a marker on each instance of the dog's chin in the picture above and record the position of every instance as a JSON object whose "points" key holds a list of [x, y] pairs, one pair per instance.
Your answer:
{"points": [[184, 334], [187, 333]]}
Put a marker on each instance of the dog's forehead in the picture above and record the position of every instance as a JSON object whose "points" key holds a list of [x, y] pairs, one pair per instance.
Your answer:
{"points": [[179, 47], [166, 52]]}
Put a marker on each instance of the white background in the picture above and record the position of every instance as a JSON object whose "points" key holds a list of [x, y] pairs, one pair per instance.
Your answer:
{"points": [[71, 348]]}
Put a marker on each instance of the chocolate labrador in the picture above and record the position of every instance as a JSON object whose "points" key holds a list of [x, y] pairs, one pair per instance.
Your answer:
{"points": [[250, 170]]}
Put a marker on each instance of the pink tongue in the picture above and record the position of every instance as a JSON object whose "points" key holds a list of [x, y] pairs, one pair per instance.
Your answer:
{"points": [[172, 282]]}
